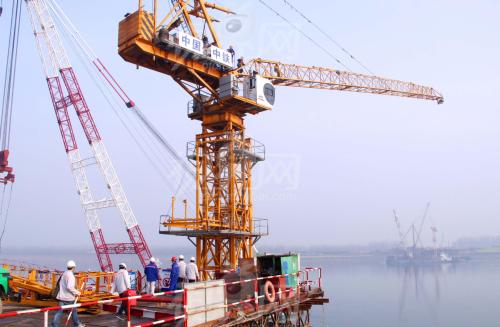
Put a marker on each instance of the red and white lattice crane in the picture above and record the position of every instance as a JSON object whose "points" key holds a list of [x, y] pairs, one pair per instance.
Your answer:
{"points": [[59, 72]]}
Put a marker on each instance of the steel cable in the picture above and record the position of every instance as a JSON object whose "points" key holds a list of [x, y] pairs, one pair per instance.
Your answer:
{"points": [[327, 36], [305, 35]]}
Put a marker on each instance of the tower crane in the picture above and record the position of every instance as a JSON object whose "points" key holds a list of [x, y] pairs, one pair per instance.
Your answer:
{"points": [[58, 72], [167, 40]]}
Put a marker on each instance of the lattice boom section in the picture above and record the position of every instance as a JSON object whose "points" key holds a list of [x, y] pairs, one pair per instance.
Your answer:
{"points": [[330, 79]]}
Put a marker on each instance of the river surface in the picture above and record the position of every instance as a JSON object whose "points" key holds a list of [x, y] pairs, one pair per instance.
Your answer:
{"points": [[363, 291], [366, 292]]}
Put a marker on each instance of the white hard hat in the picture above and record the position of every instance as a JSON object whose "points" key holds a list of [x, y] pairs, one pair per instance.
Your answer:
{"points": [[123, 265], [181, 257], [153, 260], [71, 264], [192, 259]]}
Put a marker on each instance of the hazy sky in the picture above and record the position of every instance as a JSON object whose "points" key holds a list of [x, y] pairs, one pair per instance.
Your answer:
{"points": [[337, 163]]}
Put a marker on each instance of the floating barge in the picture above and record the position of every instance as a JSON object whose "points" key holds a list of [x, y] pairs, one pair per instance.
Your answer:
{"points": [[267, 290]]}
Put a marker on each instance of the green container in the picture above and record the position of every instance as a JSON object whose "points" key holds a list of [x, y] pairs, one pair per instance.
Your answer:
{"points": [[290, 264]]}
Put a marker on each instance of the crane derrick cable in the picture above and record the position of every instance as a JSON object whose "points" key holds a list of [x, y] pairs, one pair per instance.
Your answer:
{"points": [[143, 136], [8, 91]]}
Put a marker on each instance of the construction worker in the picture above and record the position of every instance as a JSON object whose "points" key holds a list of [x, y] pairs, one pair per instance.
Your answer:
{"points": [[233, 53], [192, 273], [121, 285], [152, 273], [174, 274], [67, 294], [182, 270]]}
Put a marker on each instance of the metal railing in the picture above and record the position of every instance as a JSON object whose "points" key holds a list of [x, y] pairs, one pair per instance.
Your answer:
{"points": [[257, 295]]}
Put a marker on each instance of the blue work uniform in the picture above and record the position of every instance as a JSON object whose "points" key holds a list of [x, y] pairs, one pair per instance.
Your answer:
{"points": [[174, 276], [151, 272]]}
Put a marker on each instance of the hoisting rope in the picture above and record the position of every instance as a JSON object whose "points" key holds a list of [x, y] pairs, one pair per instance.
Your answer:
{"points": [[304, 34], [179, 164], [10, 75], [316, 26], [6, 214], [6, 113]]}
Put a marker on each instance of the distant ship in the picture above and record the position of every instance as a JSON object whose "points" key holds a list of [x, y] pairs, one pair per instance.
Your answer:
{"points": [[420, 257], [415, 254]]}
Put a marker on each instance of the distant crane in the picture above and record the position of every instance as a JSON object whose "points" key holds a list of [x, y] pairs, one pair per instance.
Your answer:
{"points": [[58, 71], [415, 234], [168, 41], [402, 240], [422, 221], [434, 240]]}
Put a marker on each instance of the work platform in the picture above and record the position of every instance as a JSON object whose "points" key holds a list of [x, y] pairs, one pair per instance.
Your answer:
{"points": [[270, 289]]}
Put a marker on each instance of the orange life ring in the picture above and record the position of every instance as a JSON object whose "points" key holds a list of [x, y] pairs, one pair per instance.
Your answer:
{"points": [[269, 291]]}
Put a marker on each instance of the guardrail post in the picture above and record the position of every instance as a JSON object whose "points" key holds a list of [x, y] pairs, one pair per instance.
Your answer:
{"points": [[256, 294], [128, 314], [184, 302], [46, 319]]}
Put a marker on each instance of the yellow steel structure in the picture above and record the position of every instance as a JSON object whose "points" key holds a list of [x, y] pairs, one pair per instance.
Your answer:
{"points": [[33, 287], [223, 155]]}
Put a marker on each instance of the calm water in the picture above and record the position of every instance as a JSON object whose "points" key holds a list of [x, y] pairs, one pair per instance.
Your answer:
{"points": [[365, 292]]}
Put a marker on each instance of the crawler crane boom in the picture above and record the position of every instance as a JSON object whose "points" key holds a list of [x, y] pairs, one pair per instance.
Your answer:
{"points": [[59, 72]]}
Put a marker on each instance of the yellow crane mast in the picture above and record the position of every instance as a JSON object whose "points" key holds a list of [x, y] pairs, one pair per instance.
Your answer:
{"points": [[166, 40]]}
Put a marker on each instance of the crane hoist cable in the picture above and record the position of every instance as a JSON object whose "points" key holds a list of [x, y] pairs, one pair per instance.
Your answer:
{"points": [[6, 213], [112, 84], [10, 75], [8, 92], [295, 27], [6, 113], [348, 53], [116, 87]]}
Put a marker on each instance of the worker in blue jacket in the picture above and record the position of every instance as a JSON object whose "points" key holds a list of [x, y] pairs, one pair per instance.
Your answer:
{"points": [[174, 275], [152, 273]]}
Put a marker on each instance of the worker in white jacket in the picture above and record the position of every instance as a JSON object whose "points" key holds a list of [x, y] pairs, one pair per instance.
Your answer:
{"points": [[192, 271], [67, 294], [121, 285], [182, 270]]}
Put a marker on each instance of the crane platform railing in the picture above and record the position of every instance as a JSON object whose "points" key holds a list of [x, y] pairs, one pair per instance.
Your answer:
{"points": [[193, 227], [229, 300]]}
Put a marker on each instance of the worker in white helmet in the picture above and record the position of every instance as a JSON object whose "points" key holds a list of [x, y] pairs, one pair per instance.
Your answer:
{"points": [[192, 271], [152, 273], [67, 294], [121, 285], [182, 271]]}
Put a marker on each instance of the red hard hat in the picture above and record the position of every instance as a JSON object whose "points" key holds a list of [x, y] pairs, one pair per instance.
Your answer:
{"points": [[174, 258]]}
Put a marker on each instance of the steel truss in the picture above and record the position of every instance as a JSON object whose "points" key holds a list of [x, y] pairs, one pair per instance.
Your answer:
{"points": [[59, 71]]}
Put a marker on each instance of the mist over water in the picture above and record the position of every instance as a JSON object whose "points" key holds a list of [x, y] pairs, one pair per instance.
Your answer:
{"points": [[363, 290], [366, 292]]}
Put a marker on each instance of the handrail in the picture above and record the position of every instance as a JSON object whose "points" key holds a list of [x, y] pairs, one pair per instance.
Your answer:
{"points": [[255, 299]]}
